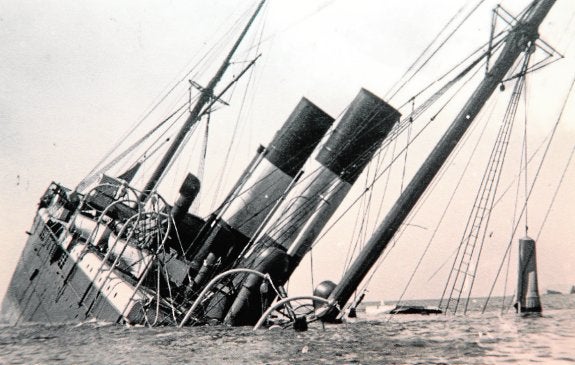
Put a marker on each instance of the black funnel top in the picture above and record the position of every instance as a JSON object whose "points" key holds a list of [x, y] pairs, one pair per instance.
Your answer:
{"points": [[188, 192], [362, 128], [297, 138]]}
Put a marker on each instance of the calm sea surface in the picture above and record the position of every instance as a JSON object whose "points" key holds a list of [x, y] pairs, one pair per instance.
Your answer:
{"points": [[491, 338]]}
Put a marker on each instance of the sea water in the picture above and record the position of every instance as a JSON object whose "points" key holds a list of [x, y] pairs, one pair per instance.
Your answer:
{"points": [[495, 337]]}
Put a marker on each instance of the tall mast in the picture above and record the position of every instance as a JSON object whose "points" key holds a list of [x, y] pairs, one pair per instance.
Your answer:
{"points": [[521, 37], [205, 97]]}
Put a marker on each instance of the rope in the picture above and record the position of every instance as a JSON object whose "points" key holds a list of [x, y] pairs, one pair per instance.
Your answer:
{"points": [[421, 109], [391, 137], [434, 97], [162, 97], [235, 130], [416, 209], [434, 52], [404, 124], [479, 217], [503, 306], [409, 128], [525, 156], [388, 167], [450, 201], [554, 130], [556, 192], [92, 176], [426, 195], [519, 87]]}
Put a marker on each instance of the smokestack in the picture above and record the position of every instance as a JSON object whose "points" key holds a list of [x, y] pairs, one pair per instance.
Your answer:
{"points": [[263, 186], [527, 288], [291, 147], [309, 205], [188, 192]]}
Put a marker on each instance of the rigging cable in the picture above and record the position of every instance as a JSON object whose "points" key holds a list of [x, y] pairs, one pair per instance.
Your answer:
{"points": [[90, 178], [525, 157], [503, 305], [249, 83], [556, 192], [96, 170], [437, 94], [480, 214], [418, 111], [522, 86], [155, 105], [392, 137], [523, 163], [409, 128], [412, 66], [547, 147], [451, 198], [421, 202], [501, 196]]}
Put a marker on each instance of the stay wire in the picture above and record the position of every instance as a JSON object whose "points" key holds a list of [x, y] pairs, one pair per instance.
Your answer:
{"points": [[484, 196], [436, 50], [151, 109], [503, 305], [398, 128], [451, 198], [520, 87], [471, 224], [427, 193], [547, 148], [380, 174], [424, 198], [425, 106], [238, 119], [93, 175], [555, 193], [525, 156]]}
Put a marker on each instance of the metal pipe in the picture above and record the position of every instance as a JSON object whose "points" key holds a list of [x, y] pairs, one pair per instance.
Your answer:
{"points": [[210, 285], [284, 301]]}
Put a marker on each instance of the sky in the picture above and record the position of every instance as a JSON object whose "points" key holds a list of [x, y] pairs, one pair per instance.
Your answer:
{"points": [[76, 75]]}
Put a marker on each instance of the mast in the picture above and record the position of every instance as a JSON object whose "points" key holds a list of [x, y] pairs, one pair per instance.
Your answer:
{"points": [[205, 97], [520, 39]]}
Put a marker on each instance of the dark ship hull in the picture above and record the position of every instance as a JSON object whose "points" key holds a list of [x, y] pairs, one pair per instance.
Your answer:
{"points": [[114, 253], [48, 285], [102, 255], [51, 284]]}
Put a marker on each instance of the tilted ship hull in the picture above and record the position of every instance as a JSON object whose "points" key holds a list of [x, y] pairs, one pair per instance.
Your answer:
{"points": [[60, 279], [51, 284], [100, 255], [112, 252]]}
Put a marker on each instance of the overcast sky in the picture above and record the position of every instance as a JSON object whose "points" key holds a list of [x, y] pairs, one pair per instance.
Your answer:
{"points": [[75, 75]]}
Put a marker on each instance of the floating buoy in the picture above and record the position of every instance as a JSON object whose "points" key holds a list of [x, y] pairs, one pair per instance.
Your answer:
{"points": [[527, 288]]}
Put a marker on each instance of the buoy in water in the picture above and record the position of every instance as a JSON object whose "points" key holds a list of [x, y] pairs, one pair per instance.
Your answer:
{"points": [[527, 289]]}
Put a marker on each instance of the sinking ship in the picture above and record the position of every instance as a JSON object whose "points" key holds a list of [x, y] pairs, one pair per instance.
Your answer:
{"points": [[109, 251]]}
